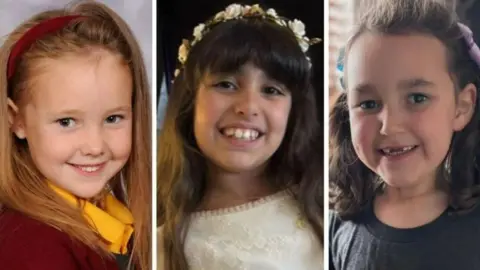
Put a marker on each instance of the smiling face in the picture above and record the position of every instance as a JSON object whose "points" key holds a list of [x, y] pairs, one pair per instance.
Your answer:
{"points": [[78, 121], [240, 119], [402, 106]]}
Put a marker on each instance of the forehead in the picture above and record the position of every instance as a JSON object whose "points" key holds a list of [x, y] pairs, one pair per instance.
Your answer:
{"points": [[387, 59], [75, 81], [246, 70]]}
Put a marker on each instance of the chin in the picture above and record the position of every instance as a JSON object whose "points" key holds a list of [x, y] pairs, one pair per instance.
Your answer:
{"points": [[238, 167], [87, 195], [400, 182], [89, 191]]}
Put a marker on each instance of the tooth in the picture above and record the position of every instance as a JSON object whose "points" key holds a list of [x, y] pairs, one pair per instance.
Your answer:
{"points": [[229, 131], [89, 169], [397, 151], [238, 133], [242, 134]]}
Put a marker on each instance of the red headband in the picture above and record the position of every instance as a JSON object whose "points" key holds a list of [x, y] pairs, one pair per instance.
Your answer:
{"points": [[34, 33]]}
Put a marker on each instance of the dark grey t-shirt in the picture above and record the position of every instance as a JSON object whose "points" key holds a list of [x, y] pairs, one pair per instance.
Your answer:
{"points": [[451, 242]]}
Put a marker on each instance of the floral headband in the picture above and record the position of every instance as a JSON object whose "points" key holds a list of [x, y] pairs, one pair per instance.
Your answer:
{"points": [[474, 52], [236, 11]]}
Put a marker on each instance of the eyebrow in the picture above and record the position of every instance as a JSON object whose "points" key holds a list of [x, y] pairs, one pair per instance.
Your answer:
{"points": [[67, 112], [415, 83], [407, 84], [121, 108], [363, 88], [78, 112]]}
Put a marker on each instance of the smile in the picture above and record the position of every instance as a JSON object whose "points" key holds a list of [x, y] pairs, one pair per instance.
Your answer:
{"points": [[244, 134], [89, 169], [396, 151]]}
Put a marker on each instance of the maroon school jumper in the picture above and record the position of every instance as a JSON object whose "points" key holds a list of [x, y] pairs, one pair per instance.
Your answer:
{"points": [[27, 244]]}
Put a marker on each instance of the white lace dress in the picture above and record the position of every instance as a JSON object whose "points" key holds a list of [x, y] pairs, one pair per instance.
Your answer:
{"points": [[268, 234]]}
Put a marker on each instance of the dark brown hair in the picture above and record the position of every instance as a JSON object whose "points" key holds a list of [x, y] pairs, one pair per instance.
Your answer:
{"points": [[181, 165], [352, 184]]}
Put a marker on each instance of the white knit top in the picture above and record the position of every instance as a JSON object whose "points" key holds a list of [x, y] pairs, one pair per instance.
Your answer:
{"points": [[267, 234]]}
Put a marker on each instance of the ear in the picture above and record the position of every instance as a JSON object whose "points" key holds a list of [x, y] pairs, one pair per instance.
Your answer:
{"points": [[465, 106], [15, 121]]}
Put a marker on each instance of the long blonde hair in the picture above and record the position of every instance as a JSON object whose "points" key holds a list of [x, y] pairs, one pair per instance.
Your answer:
{"points": [[22, 186]]}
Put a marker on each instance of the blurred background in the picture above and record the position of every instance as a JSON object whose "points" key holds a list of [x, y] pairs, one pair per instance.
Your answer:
{"points": [[138, 14]]}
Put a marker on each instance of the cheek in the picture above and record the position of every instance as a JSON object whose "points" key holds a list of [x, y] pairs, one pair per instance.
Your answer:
{"points": [[120, 142], [40, 143], [434, 127], [46, 142], [208, 110], [362, 131], [278, 114]]}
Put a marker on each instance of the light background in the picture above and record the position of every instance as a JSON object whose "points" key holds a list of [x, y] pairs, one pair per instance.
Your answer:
{"points": [[137, 13]]}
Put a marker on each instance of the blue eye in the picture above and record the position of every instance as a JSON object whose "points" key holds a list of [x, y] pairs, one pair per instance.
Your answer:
{"points": [[369, 105], [113, 119], [66, 122], [417, 98]]}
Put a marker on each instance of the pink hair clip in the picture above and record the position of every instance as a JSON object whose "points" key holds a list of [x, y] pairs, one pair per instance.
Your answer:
{"points": [[474, 50]]}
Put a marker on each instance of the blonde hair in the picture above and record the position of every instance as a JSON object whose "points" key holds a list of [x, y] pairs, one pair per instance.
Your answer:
{"points": [[22, 186]]}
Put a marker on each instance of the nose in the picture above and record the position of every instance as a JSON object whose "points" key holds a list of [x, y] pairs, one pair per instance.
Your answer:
{"points": [[392, 121], [247, 103], [93, 142]]}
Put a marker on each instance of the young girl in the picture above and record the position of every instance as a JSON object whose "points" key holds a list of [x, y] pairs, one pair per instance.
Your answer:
{"points": [[239, 161], [75, 159], [404, 135]]}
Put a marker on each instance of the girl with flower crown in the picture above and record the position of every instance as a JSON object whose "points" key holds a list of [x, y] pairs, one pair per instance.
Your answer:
{"points": [[239, 160]]}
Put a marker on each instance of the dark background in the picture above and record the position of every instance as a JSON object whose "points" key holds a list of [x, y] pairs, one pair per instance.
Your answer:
{"points": [[469, 12], [177, 18]]}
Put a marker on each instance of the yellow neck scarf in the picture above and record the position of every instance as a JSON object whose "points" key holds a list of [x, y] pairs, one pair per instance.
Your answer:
{"points": [[114, 224]]}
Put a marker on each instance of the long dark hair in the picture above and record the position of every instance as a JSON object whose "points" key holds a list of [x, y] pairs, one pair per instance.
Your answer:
{"points": [[182, 166], [352, 184]]}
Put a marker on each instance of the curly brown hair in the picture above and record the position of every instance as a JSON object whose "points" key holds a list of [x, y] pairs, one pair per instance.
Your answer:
{"points": [[352, 184]]}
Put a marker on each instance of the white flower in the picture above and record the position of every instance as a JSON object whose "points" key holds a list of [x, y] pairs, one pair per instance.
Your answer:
{"points": [[233, 11], [303, 44], [219, 16], [177, 71], [197, 31], [297, 27], [280, 22], [272, 12], [182, 53], [256, 9], [246, 9]]}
